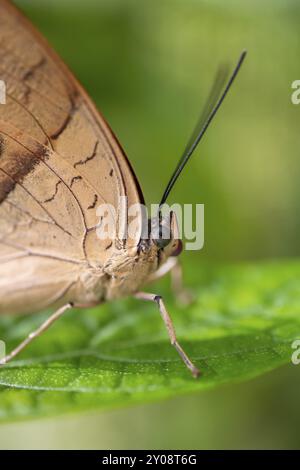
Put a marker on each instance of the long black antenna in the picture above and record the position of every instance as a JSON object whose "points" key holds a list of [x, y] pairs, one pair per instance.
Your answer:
{"points": [[215, 91], [208, 117]]}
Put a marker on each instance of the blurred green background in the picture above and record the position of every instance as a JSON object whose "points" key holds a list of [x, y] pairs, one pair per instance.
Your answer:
{"points": [[148, 65]]}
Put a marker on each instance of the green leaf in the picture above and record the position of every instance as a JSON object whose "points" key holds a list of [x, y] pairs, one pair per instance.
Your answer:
{"points": [[242, 324]]}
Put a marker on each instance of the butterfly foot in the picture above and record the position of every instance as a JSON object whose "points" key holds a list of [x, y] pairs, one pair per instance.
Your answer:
{"points": [[170, 328]]}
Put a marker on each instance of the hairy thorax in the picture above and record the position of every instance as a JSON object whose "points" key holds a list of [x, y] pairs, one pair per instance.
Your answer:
{"points": [[123, 274]]}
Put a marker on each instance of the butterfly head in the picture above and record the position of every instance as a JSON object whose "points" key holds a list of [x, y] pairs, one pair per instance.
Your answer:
{"points": [[166, 234]]}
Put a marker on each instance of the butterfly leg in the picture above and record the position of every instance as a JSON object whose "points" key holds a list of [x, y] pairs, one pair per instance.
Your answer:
{"points": [[170, 328], [34, 334], [182, 294], [173, 266]]}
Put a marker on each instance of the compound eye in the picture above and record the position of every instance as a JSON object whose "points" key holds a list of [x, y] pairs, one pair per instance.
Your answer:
{"points": [[161, 242], [164, 236]]}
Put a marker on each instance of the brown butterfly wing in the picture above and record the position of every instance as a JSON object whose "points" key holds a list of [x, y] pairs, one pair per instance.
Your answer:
{"points": [[58, 161], [46, 101]]}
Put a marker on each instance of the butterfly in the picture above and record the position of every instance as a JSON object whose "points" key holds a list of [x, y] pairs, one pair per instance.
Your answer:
{"points": [[59, 160]]}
